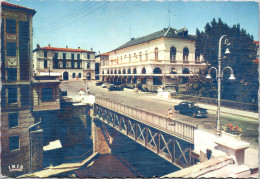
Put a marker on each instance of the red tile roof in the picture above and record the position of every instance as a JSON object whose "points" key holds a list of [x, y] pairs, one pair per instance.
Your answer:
{"points": [[14, 6], [62, 49], [257, 42], [107, 54]]}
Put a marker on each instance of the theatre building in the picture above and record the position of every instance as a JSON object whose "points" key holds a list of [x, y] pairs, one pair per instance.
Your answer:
{"points": [[72, 64], [163, 57]]}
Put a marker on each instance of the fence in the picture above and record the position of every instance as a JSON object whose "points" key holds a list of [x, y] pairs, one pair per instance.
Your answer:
{"points": [[227, 103], [175, 127]]}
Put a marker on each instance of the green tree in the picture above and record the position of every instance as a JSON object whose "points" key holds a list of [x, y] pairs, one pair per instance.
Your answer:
{"points": [[243, 52]]}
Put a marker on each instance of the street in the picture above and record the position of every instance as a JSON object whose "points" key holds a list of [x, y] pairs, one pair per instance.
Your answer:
{"points": [[150, 102]]}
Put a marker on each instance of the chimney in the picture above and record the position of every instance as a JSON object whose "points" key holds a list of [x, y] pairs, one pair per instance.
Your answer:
{"points": [[91, 49], [38, 46], [99, 52], [66, 46], [49, 45], [78, 47]]}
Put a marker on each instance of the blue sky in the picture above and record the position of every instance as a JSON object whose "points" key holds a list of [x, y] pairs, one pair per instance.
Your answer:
{"points": [[104, 25]]}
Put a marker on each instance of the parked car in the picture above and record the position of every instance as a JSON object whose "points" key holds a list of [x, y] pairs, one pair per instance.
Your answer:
{"points": [[105, 85], [115, 87], [191, 108], [99, 83]]}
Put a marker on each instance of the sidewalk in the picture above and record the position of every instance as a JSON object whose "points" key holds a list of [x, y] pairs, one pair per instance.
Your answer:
{"points": [[210, 107]]}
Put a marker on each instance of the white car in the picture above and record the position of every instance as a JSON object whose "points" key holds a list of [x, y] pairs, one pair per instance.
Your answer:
{"points": [[105, 85]]}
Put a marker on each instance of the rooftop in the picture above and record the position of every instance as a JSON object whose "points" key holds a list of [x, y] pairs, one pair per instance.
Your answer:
{"points": [[166, 32], [7, 5], [62, 49]]}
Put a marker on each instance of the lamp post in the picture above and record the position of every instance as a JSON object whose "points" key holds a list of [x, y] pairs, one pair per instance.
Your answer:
{"points": [[219, 77]]}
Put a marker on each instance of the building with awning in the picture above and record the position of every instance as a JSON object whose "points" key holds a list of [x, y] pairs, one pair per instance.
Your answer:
{"points": [[166, 56]]}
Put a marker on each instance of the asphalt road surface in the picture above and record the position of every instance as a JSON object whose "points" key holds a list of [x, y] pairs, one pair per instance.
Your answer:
{"points": [[148, 102]]}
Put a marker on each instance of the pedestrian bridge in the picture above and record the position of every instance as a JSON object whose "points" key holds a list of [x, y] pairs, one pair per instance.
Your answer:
{"points": [[171, 139]]}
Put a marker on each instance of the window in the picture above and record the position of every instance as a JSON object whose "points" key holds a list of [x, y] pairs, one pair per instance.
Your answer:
{"points": [[11, 74], [14, 143], [185, 54], [11, 26], [172, 54], [72, 65], [45, 64], [46, 94], [156, 54], [13, 120], [88, 65], [78, 56], [11, 48], [146, 55], [45, 54], [12, 95], [73, 75], [79, 75], [88, 56], [72, 56], [140, 54], [64, 56], [56, 55]]}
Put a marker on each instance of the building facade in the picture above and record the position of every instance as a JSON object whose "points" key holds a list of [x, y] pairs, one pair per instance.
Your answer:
{"points": [[16, 68], [72, 64], [101, 60], [166, 56]]}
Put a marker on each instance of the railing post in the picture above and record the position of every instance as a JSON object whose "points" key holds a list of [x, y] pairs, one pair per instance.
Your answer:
{"points": [[173, 150], [146, 136], [159, 143], [120, 123], [135, 131], [127, 127]]}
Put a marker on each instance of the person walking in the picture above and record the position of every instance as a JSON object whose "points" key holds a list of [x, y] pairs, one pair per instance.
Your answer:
{"points": [[170, 113]]}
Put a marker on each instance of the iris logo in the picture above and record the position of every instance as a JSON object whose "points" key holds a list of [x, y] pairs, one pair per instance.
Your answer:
{"points": [[14, 168]]}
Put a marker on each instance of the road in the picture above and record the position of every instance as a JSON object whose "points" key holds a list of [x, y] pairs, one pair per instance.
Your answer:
{"points": [[149, 102]]}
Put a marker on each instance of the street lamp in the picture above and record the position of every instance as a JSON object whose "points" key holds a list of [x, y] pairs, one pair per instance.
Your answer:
{"points": [[219, 77]]}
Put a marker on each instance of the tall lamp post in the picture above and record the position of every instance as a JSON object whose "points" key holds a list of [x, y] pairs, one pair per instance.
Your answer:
{"points": [[219, 77]]}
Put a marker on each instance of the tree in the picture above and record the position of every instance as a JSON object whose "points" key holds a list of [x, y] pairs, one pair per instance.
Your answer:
{"points": [[243, 52]]}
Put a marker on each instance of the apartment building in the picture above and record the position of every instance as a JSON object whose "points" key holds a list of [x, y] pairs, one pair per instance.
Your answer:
{"points": [[71, 64], [16, 116]]}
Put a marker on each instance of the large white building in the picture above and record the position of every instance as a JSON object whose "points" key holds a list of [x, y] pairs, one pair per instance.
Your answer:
{"points": [[166, 56], [72, 64]]}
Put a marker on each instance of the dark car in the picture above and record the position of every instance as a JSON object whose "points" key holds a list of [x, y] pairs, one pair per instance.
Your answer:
{"points": [[99, 83], [191, 108], [115, 87]]}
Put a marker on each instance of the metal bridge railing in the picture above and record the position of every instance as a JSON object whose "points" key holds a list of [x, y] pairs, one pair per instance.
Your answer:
{"points": [[175, 127]]}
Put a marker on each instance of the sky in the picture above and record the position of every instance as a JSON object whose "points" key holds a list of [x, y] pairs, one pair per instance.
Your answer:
{"points": [[106, 25]]}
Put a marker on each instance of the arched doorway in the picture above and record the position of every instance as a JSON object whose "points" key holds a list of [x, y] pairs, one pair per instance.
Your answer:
{"points": [[88, 76], [129, 77], [65, 75], [143, 78], [134, 77], [157, 80], [184, 78]]}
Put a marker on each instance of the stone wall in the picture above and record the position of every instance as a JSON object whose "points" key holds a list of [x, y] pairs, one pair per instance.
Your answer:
{"points": [[36, 149]]}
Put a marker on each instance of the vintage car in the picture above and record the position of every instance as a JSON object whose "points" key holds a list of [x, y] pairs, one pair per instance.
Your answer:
{"points": [[115, 87], [191, 108], [99, 83]]}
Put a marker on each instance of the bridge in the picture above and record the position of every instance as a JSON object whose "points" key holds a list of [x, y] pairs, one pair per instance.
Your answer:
{"points": [[171, 139]]}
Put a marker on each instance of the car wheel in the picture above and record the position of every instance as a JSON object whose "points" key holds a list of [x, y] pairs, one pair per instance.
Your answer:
{"points": [[194, 114]]}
